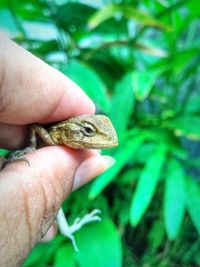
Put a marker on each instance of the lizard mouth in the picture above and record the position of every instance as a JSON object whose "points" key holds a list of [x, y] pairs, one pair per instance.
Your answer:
{"points": [[93, 145]]}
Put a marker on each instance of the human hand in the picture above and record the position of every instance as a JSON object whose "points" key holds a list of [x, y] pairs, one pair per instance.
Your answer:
{"points": [[31, 91]]}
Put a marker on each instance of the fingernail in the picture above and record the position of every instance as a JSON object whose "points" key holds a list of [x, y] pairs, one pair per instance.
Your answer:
{"points": [[91, 168]]}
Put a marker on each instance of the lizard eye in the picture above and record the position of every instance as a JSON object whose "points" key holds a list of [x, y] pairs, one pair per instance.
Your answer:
{"points": [[88, 130]]}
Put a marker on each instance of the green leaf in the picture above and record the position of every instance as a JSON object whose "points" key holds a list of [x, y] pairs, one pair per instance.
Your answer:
{"points": [[192, 7], [36, 256], [147, 184], [193, 201], [151, 50], [124, 154], [193, 105], [143, 82], [156, 235], [186, 125], [7, 21], [122, 104], [74, 16], [65, 256], [183, 58], [89, 81], [175, 198], [99, 245], [4, 152], [127, 12], [40, 31], [163, 136], [129, 176], [30, 11], [177, 62]]}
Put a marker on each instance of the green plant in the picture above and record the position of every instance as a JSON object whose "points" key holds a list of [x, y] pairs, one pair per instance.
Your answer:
{"points": [[141, 59]]}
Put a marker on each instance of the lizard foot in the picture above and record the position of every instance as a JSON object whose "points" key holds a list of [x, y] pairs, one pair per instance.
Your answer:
{"points": [[19, 155], [68, 231]]}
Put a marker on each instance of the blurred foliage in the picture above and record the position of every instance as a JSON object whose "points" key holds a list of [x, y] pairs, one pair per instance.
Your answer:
{"points": [[138, 61]]}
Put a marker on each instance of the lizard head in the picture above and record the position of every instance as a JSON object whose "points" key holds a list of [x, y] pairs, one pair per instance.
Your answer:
{"points": [[85, 131]]}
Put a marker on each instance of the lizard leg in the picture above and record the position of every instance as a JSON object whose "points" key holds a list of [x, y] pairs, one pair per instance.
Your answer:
{"points": [[19, 155], [68, 231], [42, 133]]}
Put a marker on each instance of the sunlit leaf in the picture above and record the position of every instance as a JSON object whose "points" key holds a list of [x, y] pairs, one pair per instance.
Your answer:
{"points": [[89, 81], [175, 198], [38, 30], [147, 185], [128, 12], [193, 202], [154, 51]]}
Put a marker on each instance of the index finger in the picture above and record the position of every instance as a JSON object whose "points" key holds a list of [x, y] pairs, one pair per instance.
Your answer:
{"points": [[32, 91]]}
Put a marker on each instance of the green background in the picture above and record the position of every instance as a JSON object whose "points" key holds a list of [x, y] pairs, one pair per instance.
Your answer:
{"points": [[142, 61]]}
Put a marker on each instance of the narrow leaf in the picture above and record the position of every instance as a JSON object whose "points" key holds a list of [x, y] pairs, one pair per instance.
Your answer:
{"points": [[154, 51], [127, 12], [123, 100], [193, 202], [89, 81], [175, 198], [147, 184], [143, 82], [65, 256], [186, 125], [125, 152]]}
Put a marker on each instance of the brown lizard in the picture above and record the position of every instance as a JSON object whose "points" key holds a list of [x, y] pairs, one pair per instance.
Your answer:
{"points": [[81, 132]]}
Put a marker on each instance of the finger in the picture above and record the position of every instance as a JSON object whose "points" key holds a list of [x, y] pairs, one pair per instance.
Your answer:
{"points": [[30, 198], [2, 160], [13, 136], [50, 234], [32, 91], [91, 168]]}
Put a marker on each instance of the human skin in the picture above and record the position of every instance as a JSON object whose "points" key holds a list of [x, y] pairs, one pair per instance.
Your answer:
{"points": [[33, 92]]}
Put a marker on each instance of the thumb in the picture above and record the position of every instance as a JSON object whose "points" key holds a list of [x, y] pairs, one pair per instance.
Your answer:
{"points": [[31, 196]]}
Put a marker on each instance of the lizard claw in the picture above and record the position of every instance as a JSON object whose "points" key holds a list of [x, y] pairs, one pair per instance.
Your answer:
{"points": [[18, 155]]}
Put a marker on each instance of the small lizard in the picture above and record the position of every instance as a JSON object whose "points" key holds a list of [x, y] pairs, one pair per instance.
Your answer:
{"points": [[81, 132]]}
